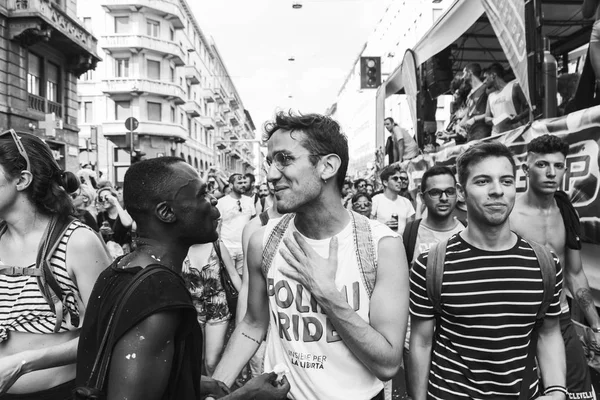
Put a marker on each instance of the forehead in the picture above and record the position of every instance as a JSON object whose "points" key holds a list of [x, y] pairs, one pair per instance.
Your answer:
{"points": [[439, 181], [395, 175], [403, 173], [286, 141], [491, 166], [550, 157]]}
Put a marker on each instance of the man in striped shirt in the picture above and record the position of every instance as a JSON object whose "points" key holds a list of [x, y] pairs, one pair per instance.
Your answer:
{"points": [[491, 293]]}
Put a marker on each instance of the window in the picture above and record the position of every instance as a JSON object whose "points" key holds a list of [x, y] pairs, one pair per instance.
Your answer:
{"points": [[121, 24], [153, 28], [88, 112], [34, 73], [181, 119], [154, 111], [172, 35], [189, 125], [173, 74], [87, 22], [52, 82], [189, 92], [153, 69], [172, 114], [122, 67], [122, 110], [88, 76]]}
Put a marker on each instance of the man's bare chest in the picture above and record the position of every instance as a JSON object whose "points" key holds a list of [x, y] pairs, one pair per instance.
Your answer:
{"points": [[542, 227]]}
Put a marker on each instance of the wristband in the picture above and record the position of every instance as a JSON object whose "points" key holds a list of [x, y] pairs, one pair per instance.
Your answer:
{"points": [[556, 388]]}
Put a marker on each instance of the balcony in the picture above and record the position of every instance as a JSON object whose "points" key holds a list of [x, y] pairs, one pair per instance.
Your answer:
{"points": [[220, 144], [220, 119], [192, 74], [208, 95], [135, 43], [207, 122], [114, 129], [233, 102], [168, 9], [219, 95], [235, 153], [40, 21], [136, 86], [192, 108], [44, 105], [233, 119]]}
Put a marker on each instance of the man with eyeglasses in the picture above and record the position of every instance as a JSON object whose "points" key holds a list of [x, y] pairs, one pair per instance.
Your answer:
{"points": [[236, 210], [545, 214], [324, 281], [389, 207], [438, 193]]}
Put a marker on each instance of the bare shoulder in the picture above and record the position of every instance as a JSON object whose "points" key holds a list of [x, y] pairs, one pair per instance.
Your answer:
{"points": [[251, 227], [85, 245], [256, 239]]}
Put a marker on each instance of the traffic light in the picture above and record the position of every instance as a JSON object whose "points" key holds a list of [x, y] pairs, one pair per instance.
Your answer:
{"points": [[137, 155], [370, 72]]}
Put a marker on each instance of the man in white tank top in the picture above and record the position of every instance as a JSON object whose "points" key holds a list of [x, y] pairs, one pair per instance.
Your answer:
{"points": [[336, 325]]}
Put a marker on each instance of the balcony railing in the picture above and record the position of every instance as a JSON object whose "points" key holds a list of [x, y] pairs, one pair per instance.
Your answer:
{"points": [[171, 49], [170, 9], [136, 86], [44, 105], [207, 122], [151, 128], [208, 95], [192, 108]]}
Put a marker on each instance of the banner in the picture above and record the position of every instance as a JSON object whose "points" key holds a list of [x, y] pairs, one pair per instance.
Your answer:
{"points": [[507, 18], [582, 179]]}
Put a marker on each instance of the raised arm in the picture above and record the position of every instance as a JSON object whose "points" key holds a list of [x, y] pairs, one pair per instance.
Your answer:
{"points": [[588, 8], [378, 344], [251, 330], [242, 303]]}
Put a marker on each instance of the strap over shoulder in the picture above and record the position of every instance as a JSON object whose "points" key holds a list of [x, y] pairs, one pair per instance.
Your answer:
{"points": [[434, 274], [365, 250], [273, 241], [548, 271]]}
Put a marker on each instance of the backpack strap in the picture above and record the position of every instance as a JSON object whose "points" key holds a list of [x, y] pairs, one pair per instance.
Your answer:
{"points": [[273, 241], [548, 270], [434, 273], [365, 250], [409, 237]]}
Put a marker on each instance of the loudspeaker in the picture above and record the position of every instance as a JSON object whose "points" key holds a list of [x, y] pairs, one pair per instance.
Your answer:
{"points": [[438, 73]]}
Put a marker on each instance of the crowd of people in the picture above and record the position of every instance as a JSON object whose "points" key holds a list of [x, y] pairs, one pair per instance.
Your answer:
{"points": [[316, 286]]}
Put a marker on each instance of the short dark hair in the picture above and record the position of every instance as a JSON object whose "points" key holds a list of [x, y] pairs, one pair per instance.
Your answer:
{"points": [[323, 136], [389, 119], [250, 176], [358, 181], [498, 69], [359, 195], [234, 177], [50, 185], [475, 69], [388, 171], [479, 152], [547, 144], [435, 171], [147, 183]]}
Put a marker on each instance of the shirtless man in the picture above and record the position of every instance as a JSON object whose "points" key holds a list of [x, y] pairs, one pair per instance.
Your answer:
{"points": [[590, 9], [537, 216]]}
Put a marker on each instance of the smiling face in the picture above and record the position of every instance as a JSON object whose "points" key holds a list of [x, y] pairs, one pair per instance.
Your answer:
{"points": [[404, 180], [194, 207], [299, 181], [388, 125], [545, 172], [393, 183], [490, 191]]}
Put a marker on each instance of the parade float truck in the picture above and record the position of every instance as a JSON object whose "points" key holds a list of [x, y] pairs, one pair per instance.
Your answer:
{"points": [[538, 40]]}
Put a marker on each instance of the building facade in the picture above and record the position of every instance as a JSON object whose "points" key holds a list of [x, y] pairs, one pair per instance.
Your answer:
{"points": [[44, 48], [400, 28], [160, 69]]}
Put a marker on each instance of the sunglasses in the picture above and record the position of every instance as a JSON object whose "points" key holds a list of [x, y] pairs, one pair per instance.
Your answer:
{"points": [[239, 204], [19, 145]]}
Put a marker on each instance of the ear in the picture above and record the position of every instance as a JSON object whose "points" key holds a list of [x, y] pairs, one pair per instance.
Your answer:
{"points": [[165, 213], [24, 180], [330, 164], [525, 168]]}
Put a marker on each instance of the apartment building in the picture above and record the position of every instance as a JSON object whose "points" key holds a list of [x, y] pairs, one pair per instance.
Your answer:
{"points": [[400, 28], [43, 50], [161, 69]]}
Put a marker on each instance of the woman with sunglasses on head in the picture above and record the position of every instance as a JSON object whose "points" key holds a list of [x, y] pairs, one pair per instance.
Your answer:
{"points": [[83, 197], [39, 335], [114, 221]]}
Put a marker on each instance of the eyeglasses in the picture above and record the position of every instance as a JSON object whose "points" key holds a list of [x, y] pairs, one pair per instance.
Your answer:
{"points": [[239, 204], [403, 178], [282, 160], [19, 145], [435, 194], [362, 205]]}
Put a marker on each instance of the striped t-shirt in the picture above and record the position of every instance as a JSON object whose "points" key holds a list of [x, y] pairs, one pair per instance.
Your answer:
{"points": [[489, 304]]}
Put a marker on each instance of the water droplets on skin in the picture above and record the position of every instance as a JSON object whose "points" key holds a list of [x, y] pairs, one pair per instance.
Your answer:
{"points": [[142, 338], [131, 356]]}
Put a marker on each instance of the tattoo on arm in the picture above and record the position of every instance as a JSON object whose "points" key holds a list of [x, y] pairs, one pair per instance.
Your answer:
{"points": [[584, 298], [251, 338]]}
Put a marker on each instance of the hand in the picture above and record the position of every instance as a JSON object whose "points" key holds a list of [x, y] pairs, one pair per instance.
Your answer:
{"points": [[265, 387], [592, 342], [11, 369], [112, 200], [469, 122], [315, 273], [213, 387], [392, 224]]}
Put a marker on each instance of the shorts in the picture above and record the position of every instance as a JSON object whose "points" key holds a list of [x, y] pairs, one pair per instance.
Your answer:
{"points": [[63, 391], [595, 37], [579, 382]]}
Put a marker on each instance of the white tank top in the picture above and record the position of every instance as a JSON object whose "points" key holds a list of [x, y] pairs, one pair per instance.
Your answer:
{"points": [[501, 102], [301, 336]]}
